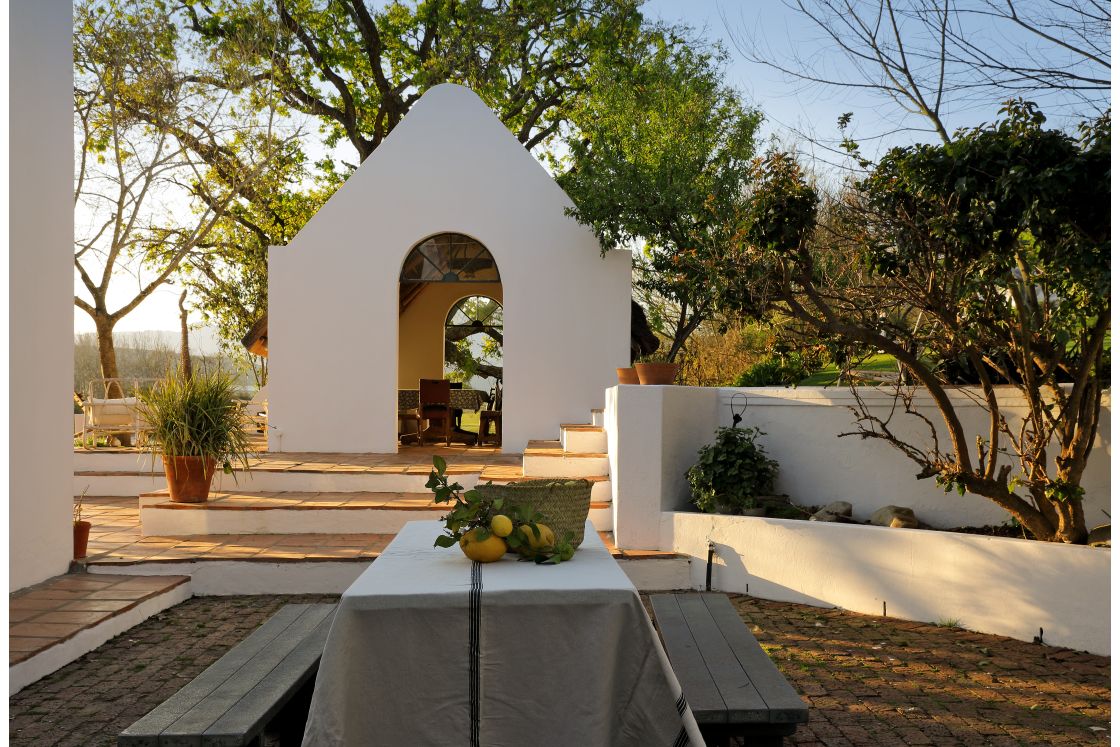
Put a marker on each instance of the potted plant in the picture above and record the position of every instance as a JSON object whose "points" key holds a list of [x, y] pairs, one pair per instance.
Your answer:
{"points": [[731, 473], [627, 376], [195, 425], [81, 528], [655, 369]]}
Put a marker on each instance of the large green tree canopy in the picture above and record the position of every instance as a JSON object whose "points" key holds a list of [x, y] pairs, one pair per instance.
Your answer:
{"points": [[992, 250], [660, 157], [359, 69]]}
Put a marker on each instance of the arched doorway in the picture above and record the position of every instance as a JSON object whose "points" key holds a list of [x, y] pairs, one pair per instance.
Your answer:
{"points": [[439, 278]]}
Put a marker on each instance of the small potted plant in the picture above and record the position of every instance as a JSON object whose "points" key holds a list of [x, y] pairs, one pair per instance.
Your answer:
{"points": [[731, 473], [81, 528], [627, 375], [195, 424], [656, 369]]}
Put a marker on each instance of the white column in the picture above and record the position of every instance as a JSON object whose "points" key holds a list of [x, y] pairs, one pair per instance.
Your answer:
{"points": [[41, 288]]}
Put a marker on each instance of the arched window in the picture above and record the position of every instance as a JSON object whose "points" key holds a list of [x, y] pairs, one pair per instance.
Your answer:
{"points": [[473, 334], [449, 258]]}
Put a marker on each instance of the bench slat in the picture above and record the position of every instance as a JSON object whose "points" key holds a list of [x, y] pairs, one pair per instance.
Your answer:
{"points": [[703, 697], [194, 723], [145, 732], [253, 712], [783, 701], [744, 703]]}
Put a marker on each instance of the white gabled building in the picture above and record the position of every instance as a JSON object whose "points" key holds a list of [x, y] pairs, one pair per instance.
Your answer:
{"points": [[450, 205]]}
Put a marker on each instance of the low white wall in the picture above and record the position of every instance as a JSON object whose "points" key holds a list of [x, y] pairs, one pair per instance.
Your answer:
{"points": [[988, 584], [655, 432], [652, 436]]}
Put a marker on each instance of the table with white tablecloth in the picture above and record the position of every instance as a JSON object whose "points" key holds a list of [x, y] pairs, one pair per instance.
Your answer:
{"points": [[428, 648]]}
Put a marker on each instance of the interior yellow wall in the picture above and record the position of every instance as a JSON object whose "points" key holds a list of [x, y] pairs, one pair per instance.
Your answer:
{"points": [[421, 329]]}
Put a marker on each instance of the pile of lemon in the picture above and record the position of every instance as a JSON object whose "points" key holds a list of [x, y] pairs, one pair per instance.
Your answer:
{"points": [[488, 546]]}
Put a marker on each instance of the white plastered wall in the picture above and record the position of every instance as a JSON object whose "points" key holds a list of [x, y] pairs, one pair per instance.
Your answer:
{"points": [[450, 166], [41, 287], [654, 433]]}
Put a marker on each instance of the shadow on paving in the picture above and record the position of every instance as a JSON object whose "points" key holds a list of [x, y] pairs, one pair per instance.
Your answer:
{"points": [[868, 680]]}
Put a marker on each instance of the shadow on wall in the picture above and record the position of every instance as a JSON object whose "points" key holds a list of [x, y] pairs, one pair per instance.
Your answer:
{"points": [[989, 584], [729, 571]]}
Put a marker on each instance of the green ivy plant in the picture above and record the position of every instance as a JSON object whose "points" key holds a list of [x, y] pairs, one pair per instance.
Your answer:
{"points": [[471, 511], [731, 472]]}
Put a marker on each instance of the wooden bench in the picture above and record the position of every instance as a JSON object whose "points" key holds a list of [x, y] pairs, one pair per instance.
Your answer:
{"points": [[233, 701], [730, 683]]}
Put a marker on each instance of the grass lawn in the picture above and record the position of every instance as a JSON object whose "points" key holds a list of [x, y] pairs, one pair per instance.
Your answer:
{"points": [[470, 421], [830, 374]]}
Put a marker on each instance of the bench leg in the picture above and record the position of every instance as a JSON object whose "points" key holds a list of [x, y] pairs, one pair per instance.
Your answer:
{"points": [[760, 735]]}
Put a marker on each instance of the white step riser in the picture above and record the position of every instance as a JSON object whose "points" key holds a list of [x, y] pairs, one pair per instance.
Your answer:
{"points": [[601, 491], [175, 522], [551, 466], [583, 442], [118, 461], [126, 485], [597, 418], [602, 519], [260, 481], [166, 522]]}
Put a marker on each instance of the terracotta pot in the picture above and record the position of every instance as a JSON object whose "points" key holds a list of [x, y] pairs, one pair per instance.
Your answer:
{"points": [[188, 478], [627, 376], [657, 373], [81, 539]]}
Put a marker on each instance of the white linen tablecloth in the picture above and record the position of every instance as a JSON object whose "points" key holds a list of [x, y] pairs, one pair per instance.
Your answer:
{"points": [[428, 648]]}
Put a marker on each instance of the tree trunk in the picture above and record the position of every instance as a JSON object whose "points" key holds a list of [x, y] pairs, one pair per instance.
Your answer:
{"points": [[107, 354], [184, 340]]}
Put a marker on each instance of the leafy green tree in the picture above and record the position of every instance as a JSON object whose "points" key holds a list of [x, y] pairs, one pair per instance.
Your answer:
{"points": [[992, 249], [660, 158], [146, 197], [359, 71]]}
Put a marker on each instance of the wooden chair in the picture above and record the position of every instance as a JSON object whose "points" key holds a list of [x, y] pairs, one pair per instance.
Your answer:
{"points": [[491, 416], [435, 404]]}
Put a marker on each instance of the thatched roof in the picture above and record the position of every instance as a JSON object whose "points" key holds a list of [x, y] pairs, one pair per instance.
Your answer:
{"points": [[256, 339], [642, 339]]}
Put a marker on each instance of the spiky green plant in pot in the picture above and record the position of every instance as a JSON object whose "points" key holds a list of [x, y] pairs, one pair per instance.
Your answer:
{"points": [[194, 424]]}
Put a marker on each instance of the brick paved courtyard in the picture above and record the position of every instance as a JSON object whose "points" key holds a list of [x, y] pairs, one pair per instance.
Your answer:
{"points": [[868, 680]]}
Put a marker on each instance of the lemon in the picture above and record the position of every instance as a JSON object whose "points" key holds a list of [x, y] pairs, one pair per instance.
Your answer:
{"points": [[482, 550], [533, 543], [501, 525]]}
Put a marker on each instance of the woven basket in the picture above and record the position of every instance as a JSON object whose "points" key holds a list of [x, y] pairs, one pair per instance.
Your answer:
{"points": [[564, 503]]}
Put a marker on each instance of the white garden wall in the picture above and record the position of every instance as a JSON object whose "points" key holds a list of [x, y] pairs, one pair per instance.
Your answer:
{"points": [[41, 288], [988, 584], [654, 433], [450, 166]]}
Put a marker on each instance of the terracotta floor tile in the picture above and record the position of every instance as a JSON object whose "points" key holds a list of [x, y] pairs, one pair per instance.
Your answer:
{"points": [[20, 643], [80, 617], [98, 605], [43, 630]]}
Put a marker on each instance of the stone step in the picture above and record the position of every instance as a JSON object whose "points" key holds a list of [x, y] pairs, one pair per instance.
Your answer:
{"points": [[581, 438], [260, 480], [294, 512], [597, 417], [276, 564], [548, 459]]}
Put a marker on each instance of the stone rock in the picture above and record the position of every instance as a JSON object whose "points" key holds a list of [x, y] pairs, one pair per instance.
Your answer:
{"points": [[899, 517], [1101, 536], [836, 508]]}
